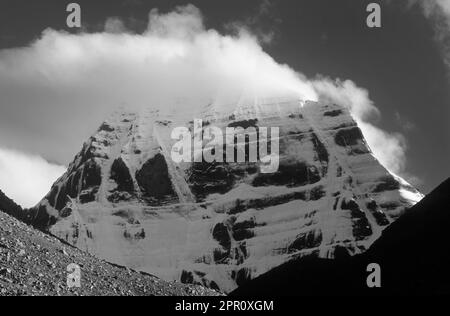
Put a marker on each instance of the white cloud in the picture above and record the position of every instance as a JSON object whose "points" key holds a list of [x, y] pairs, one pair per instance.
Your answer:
{"points": [[63, 81], [26, 178], [389, 148], [176, 57]]}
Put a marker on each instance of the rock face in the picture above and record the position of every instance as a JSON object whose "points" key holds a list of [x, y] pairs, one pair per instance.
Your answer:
{"points": [[220, 224]]}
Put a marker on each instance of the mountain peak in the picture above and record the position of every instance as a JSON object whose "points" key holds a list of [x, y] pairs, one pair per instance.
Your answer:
{"points": [[219, 224]]}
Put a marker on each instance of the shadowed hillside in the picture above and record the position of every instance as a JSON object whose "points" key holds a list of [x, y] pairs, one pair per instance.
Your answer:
{"points": [[413, 254], [9, 206]]}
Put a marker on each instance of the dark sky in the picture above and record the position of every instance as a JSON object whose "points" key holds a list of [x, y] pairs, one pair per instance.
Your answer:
{"points": [[400, 64]]}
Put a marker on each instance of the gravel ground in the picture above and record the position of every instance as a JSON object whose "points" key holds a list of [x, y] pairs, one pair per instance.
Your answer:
{"points": [[34, 263]]}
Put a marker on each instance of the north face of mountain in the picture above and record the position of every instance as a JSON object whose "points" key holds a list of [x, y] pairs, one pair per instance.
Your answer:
{"points": [[221, 224], [412, 253]]}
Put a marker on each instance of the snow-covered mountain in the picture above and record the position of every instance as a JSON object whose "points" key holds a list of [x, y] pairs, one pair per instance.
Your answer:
{"points": [[219, 224]]}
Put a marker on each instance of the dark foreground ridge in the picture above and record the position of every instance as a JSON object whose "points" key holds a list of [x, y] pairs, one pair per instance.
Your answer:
{"points": [[413, 254], [34, 263], [9, 206]]}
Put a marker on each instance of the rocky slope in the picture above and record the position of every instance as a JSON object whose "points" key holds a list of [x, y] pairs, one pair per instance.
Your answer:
{"points": [[34, 263], [221, 224], [412, 253]]}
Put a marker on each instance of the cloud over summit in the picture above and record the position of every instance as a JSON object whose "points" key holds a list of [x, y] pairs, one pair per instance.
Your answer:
{"points": [[62, 85]]}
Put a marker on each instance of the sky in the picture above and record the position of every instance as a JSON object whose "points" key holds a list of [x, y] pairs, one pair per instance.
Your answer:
{"points": [[58, 84]]}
